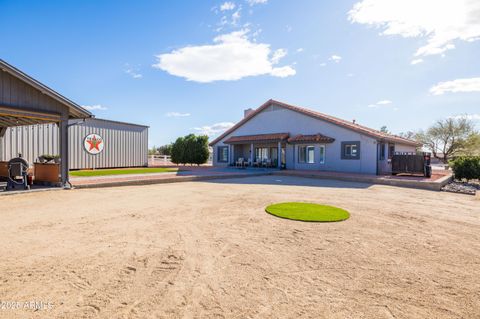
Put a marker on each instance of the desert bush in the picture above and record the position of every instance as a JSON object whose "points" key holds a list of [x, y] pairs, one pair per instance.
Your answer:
{"points": [[466, 167]]}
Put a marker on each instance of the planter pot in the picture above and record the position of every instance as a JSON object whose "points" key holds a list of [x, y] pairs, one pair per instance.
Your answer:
{"points": [[47, 173], [3, 169]]}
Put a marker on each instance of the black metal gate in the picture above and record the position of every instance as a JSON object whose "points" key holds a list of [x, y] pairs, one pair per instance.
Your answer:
{"points": [[411, 163]]}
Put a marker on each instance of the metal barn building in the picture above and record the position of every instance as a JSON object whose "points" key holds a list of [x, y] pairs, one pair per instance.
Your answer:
{"points": [[119, 144]]}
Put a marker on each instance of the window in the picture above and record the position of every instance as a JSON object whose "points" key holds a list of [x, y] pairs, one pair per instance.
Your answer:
{"points": [[382, 151], [306, 154], [322, 154], [261, 153], [350, 150], [391, 150], [222, 154]]}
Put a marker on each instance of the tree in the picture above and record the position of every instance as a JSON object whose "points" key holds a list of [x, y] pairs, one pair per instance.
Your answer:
{"points": [[201, 150], [384, 129], [190, 149], [472, 145], [409, 135], [449, 138], [165, 149], [152, 151], [178, 150]]}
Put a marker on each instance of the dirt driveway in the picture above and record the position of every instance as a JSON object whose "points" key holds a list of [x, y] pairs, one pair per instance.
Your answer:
{"points": [[208, 250]]}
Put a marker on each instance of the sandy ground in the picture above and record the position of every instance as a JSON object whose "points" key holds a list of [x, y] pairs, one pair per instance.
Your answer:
{"points": [[208, 250]]}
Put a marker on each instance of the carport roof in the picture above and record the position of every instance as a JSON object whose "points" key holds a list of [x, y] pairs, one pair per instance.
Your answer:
{"points": [[75, 110]]}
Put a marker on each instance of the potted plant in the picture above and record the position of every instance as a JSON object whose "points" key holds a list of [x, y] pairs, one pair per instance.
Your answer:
{"points": [[47, 170], [48, 158]]}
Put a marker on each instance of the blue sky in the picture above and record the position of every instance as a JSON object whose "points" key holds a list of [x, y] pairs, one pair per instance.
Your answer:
{"points": [[194, 66]]}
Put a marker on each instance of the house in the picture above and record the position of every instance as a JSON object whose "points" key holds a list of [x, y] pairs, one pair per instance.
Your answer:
{"points": [[307, 140]]}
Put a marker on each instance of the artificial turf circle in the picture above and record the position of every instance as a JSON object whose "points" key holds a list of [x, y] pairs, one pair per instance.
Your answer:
{"points": [[308, 212]]}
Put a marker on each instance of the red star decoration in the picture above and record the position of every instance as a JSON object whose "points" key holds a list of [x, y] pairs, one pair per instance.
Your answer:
{"points": [[94, 143]]}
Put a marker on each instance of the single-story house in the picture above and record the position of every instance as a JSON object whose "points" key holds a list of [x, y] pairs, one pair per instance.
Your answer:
{"points": [[307, 140]]}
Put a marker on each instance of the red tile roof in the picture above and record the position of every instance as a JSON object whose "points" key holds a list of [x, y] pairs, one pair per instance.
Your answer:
{"points": [[317, 138], [328, 118], [275, 137]]}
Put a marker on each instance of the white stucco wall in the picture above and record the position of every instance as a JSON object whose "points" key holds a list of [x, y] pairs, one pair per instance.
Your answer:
{"points": [[404, 148], [276, 119]]}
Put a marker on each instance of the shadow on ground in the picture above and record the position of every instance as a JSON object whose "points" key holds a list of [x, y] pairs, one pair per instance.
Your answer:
{"points": [[289, 181]]}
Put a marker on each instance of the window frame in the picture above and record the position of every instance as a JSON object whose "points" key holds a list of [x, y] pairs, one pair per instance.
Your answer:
{"points": [[304, 149], [322, 159], [351, 145], [382, 154], [391, 150], [221, 152]]}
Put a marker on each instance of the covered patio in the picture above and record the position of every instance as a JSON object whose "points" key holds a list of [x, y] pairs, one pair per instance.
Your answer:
{"points": [[25, 101], [261, 150]]}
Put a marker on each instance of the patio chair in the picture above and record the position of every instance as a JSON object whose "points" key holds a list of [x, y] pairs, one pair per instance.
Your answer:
{"points": [[240, 162], [268, 163], [257, 163]]}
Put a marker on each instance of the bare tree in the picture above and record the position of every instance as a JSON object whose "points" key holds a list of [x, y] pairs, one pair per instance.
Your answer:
{"points": [[448, 138], [409, 135]]}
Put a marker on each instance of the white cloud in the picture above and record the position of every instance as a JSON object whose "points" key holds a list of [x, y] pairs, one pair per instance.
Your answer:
{"points": [[323, 64], [236, 16], [254, 2], [441, 22], [472, 117], [289, 28], [133, 71], [384, 102], [380, 103], [226, 6], [177, 114], [283, 72], [214, 129], [278, 55], [299, 50], [458, 85], [416, 61], [96, 107], [335, 58], [231, 57]]}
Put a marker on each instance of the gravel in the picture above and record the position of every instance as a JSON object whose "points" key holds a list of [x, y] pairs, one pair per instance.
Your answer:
{"points": [[462, 187]]}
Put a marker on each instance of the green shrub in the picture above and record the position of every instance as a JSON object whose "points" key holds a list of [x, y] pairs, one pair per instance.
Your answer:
{"points": [[190, 149], [466, 167]]}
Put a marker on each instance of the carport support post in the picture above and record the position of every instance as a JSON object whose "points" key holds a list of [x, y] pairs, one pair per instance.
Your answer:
{"points": [[279, 155], [251, 154], [63, 126]]}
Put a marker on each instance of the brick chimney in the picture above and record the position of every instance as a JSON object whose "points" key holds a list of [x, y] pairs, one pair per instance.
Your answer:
{"points": [[247, 112]]}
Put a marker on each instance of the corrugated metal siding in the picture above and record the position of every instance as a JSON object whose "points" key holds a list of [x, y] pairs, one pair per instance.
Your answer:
{"points": [[126, 145]]}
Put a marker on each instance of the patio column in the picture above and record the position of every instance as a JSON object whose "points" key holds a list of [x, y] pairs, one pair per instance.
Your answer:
{"points": [[251, 153], [232, 156], [63, 136], [279, 155]]}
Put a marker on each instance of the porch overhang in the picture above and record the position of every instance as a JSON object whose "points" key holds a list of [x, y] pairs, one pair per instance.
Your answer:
{"points": [[311, 138], [259, 138]]}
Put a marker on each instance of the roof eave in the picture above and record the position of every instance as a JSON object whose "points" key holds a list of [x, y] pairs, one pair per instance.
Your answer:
{"points": [[76, 110]]}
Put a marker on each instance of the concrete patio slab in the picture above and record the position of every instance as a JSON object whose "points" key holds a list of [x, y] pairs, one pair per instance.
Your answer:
{"points": [[184, 175], [435, 183]]}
